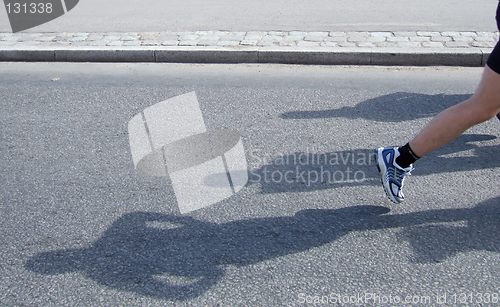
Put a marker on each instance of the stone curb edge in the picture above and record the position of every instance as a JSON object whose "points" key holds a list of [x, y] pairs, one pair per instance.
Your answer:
{"points": [[468, 57]]}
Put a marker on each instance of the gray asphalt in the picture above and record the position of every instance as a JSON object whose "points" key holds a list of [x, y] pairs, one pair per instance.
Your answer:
{"points": [[264, 15], [79, 226]]}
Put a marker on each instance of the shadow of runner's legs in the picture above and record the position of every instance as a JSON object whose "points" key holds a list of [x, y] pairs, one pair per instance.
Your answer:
{"points": [[310, 171], [396, 107], [435, 243]]}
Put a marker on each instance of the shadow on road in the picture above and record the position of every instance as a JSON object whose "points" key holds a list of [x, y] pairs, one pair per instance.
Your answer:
{"points": [[306, 171], [433, 243], [179, 257], [396, 107]]}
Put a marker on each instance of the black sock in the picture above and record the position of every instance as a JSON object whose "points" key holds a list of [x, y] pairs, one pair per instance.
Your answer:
{"points": [[406, 156]]}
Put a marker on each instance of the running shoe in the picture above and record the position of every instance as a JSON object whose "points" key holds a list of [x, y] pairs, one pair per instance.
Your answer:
{"points": [[392, 175]]}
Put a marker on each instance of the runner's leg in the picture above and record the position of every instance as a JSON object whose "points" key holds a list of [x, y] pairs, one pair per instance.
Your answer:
{"points": [[452, 122]]}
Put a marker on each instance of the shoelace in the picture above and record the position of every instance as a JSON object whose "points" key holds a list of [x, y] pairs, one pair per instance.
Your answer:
{"points": [[400, 174]]}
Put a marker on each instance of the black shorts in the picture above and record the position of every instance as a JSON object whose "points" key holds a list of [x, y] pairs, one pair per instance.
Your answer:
{"points": [[494, 59]]}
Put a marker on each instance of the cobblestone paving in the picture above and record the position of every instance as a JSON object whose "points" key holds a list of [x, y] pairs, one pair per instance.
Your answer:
{"points": [[417, 39]]}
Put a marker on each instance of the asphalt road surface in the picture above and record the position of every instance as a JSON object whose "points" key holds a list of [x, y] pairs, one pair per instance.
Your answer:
{"points": [[265, 15], [80, 227]]}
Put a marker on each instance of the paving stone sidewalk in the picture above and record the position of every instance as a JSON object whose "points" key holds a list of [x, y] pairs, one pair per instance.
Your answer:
{"points": [[365, 40], [419, 48]]}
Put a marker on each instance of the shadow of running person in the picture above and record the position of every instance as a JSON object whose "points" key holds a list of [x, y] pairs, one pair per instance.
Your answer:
{"points": [[311, 171], [148, 253], [179, 257], [396, 107]]}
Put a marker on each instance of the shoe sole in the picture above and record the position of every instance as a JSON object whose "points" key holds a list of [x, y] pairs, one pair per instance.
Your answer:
{"points": [[382, 174]]}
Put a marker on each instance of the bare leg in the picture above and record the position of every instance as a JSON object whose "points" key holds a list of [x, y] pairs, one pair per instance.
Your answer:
{"points": [[450, 123]]}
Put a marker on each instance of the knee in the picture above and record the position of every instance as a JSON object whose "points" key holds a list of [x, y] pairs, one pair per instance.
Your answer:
{"points": [[485, 115], [490, 111], [479, 111]]}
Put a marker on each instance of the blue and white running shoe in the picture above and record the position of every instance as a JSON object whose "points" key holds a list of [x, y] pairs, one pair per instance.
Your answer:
{"points": [[392, 175]]}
